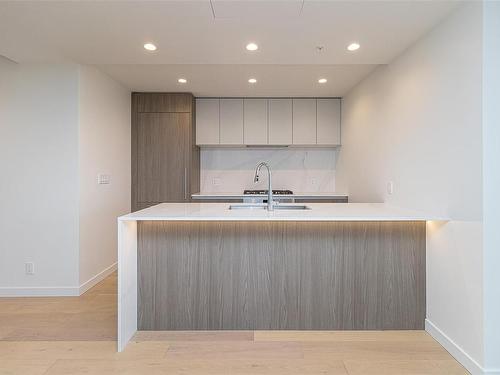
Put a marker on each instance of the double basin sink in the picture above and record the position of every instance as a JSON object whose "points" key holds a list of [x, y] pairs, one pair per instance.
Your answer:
{"points": [[263, 206]]}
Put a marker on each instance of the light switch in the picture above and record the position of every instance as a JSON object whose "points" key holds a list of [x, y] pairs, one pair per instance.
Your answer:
{"points": [[103, 179], [390, 187], [29, 268]]}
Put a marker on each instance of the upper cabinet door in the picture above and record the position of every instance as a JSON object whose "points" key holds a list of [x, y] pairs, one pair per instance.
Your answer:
{"points": [[162, 102], [207, 121], [304, 121], [255, 121], [280, 121], [328, 121], [231, 121]]}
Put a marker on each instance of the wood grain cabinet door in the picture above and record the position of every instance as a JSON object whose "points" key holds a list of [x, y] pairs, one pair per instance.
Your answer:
{"points": [[162, 146]]}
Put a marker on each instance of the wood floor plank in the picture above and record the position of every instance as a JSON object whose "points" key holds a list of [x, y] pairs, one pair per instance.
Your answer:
{"points": [[49, 334], [42, 305], [227, 350], [13, 321], [90, 317], [4, 332], [87, 325], [198, 367], [109, 286], [405, 367], [336, 336], [25, 367], [374, 350], [36, 350], [194, 336]]}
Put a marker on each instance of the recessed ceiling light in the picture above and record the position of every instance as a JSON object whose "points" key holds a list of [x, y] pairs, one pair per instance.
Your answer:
{"points": [[353, 46], [182, 80], [252, 47], [150, 47], [252, 80], [322, 80]]}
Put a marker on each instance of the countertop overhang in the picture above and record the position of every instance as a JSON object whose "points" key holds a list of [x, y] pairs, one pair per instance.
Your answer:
{"points": [[317, 212]]}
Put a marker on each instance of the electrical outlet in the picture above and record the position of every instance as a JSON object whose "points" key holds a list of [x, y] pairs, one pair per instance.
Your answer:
{"points": [[314, 181], [216, 181], [103, 179], [29, 268], [390, 188]]}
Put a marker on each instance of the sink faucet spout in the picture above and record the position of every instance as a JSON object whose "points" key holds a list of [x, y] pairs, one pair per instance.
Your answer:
{"points": [[270, 199]]}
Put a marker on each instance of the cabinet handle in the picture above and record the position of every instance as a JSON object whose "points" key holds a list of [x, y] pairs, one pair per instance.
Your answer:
{"points": [[185, 183]]}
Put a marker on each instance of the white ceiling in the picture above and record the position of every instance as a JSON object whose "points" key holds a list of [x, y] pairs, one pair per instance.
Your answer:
{"points": [[202, 37], [232, 80]]}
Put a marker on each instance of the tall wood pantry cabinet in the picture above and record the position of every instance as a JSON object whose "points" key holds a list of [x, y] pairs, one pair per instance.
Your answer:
{"points": [[165, 158]]}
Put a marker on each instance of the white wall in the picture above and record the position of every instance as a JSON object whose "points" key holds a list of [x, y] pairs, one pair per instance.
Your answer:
{"points": [[39, 176], [301, 170], [491, 184], [104, 139], [418, 122], [60, 125]]}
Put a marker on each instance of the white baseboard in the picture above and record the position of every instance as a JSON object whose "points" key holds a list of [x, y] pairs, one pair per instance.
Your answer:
{"points": [[57, 291], [97, 278], [54, 291], [457, 352]]}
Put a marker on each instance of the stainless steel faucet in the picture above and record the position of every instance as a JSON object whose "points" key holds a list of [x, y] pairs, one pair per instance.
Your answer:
{"points": [[270, 201]]}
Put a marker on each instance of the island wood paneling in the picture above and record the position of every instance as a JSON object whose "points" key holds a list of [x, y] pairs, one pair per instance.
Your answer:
{"points": [[281, 275]]}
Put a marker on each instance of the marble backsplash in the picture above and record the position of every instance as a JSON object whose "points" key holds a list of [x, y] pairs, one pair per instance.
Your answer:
{"points": [[231, 170]]}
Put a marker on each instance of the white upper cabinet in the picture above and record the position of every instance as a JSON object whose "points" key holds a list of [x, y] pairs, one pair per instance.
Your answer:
{"points": [[328, 121], [280, 121], [207, 121], [255, 122], [273, 121], [304, 121], [231, 121]]}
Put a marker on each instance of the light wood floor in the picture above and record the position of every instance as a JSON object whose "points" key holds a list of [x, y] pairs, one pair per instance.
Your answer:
{"points": [[75, 335]]}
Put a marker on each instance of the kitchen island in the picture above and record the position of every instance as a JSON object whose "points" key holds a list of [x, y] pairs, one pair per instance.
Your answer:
{"points": [[202, 266]]}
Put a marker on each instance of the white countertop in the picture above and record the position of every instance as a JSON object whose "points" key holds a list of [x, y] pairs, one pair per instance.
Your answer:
{"points": [[229, 196], [317, 212]]}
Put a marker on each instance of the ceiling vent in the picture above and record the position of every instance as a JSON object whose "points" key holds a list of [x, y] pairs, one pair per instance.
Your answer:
{"points": [[251, 9]]}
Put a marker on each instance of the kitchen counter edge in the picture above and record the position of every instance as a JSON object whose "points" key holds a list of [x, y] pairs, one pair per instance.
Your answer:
{"points": [[317, 212]]}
